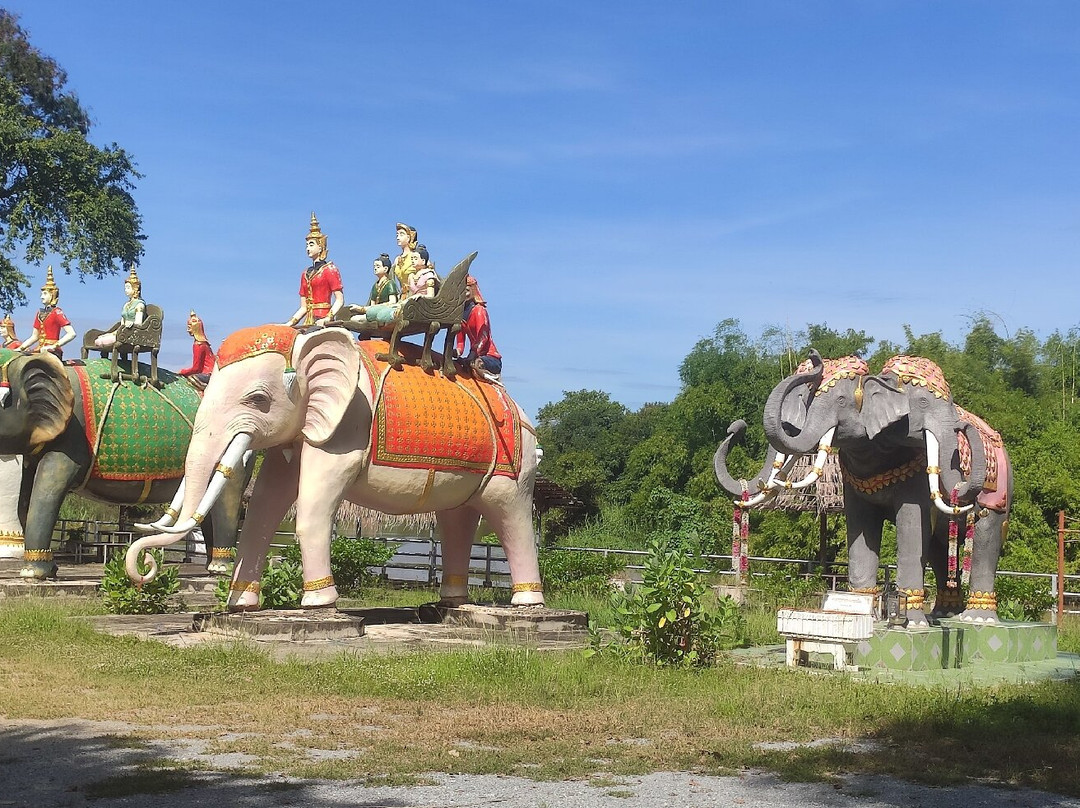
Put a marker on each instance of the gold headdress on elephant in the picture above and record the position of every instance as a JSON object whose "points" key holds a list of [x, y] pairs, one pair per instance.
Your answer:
{"points": [[133, 279], [314, 233], [50, 286]]}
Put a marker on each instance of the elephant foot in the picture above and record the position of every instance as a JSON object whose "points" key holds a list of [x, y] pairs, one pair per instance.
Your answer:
{"points": [[527, 595], [916, 618], [984, 616], [327, 596], [38, 570], [452, 601], [219, 568], [11, 549], [233, 608]]}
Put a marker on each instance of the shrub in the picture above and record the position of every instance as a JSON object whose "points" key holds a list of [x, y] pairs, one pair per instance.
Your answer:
{"points": [[577, 571], [665, 619], [283, 578], [1021, 598], [124, 597]]}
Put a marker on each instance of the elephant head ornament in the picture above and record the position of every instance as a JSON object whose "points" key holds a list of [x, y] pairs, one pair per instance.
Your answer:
{"points": [[306, 402]]}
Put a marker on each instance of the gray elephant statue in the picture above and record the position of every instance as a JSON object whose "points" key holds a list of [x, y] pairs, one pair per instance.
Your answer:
{"points": [[884, 428], [120, 443]]}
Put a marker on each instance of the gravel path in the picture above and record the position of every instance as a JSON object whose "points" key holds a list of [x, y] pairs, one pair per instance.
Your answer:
{"points": [[59, 763]]}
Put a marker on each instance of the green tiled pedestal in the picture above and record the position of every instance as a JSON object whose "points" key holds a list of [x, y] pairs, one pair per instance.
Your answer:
{"points": [[954, 643]]}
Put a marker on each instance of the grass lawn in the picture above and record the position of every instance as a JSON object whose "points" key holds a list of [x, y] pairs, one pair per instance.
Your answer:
{"points": [[544, 715]]}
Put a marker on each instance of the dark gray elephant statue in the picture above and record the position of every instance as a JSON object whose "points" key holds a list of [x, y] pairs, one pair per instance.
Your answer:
{"points": [[119, 443], [884, 428]]}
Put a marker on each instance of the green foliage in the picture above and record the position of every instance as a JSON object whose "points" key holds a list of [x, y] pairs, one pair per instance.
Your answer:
{"points": [[1022, 598], [282, 585], [121, 596], [574, 571], [59, 194], [686, 523], [666, 619]]}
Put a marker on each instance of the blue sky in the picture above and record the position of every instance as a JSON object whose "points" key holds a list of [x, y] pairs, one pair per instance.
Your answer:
{"points": [[631, 173]]}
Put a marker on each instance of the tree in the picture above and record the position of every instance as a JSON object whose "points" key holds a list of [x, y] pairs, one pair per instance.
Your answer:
{"points": [[58, 192]]}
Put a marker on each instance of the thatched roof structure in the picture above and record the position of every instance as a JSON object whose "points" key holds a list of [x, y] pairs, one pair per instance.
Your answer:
{"points": [[824, 496]]}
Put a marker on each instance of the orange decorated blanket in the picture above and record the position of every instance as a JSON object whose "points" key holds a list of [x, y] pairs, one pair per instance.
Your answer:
{"points": [[425, 420]]}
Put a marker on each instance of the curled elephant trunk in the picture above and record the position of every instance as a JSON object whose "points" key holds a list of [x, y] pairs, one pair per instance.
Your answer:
{"points": [[789, 425], [761, 483], [232, 459], [819, 464]]}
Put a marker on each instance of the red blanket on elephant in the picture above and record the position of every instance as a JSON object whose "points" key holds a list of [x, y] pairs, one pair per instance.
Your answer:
{"points": [[425, 420]]}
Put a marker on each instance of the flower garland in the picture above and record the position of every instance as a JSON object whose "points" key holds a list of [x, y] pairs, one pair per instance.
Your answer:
{"points": [[740, 537], [954, 545]]}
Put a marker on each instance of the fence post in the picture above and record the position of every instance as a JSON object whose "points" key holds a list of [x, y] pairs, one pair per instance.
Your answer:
{"points": [[1061, 568]]}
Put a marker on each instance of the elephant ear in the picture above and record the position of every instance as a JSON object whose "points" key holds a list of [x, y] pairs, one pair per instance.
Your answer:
{"points": [[327, 366], [883, 406], [45, 386]]}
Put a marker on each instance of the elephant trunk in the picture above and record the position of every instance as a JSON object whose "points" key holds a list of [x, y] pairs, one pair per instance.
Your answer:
{"points": [[764, 478], [945, 476], [782, 413], [194, 511]]}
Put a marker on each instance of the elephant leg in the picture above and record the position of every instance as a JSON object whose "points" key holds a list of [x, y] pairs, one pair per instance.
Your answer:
{"points": [[55, 475], [325, 476], [912, 541], [457, 528], [274, 494], [510, 514], [224, 524], [864, 523], [989, 537]]}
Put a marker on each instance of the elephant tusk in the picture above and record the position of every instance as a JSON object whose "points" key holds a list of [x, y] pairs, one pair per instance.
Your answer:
{"points": [[233, 455], [183, 528], [819, 464], [757, 499], [781, 466], [933, 476], [169, 517]]}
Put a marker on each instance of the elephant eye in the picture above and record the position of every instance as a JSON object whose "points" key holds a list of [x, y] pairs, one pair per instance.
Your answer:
{"points": [[258, 400]]}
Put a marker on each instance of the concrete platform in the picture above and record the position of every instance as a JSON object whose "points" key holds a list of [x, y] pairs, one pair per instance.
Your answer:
{"points": [[282, 625], [84, 580]]}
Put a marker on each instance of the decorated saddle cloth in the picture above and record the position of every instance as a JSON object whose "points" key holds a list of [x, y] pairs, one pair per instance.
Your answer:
{"points": [[996, 488], [140, 433], [427, 421]]}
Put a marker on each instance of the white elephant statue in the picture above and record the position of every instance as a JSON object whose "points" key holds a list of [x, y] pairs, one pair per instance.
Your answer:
{"points": [[11, 527], [334, 423]]}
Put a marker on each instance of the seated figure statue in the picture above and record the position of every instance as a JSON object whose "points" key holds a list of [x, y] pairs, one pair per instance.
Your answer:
{"points": [[51, 330], [131, 315], [382, 305]]}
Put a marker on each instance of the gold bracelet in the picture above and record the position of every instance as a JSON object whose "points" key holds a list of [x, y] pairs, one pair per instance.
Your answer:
{"points": [[319, 583]]}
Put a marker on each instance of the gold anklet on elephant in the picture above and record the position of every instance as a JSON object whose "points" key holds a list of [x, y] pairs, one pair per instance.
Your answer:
{"points": [[527, 586], [950, 598], [228, 553], [455, 580], [916, 598], [245, 586], [319, 583], [37, 555], [982, 600]]}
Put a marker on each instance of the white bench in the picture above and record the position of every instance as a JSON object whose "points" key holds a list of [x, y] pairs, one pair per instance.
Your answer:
{"points": [[843, 619]]}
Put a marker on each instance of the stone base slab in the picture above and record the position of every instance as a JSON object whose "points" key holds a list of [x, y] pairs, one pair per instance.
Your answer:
{"points": [[533, 619], [286, 625]]}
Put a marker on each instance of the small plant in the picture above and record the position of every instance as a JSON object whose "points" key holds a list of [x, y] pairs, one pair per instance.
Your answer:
{"points": [[124, 597], [1021, 598], [577, 571], [665, 619]]}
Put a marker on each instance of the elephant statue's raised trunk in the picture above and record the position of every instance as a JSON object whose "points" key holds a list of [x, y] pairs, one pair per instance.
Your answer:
{"points": [[787, 425], [759, 484], [232, 460]]}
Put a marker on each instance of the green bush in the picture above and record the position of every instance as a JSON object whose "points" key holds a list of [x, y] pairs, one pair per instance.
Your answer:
{"points": [[1022, 598], [124, 597], [666, 619], [577, 571], [282, 585]]}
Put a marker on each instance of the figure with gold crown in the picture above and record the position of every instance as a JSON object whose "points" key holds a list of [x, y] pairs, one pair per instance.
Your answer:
{"points": [[132, 314], [51, 330], [202, 355], [7, 333], [321, 294]]}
